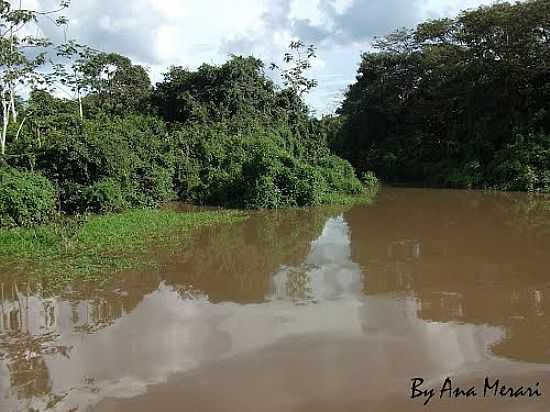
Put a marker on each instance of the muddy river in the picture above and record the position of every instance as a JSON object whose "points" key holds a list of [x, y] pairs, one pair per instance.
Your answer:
{"points": [[428, 300]]}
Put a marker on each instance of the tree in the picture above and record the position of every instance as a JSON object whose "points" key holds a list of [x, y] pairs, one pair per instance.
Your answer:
{"points": [[441, 103], [18, 66], [297, 62], [113, 83], [237, 89], [71, 72]]}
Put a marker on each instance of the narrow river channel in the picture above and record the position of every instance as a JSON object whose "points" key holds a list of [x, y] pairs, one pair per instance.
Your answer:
{"points": [[303, 311]]}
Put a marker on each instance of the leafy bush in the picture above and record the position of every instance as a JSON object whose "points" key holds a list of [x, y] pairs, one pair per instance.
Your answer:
{"points": [[133, 151], [104, 196], [524, 165], [369, 179], [151, 187], [273, 178], [339, 175], [26, 198], [208, 163], [262, 167], [467, 176]]}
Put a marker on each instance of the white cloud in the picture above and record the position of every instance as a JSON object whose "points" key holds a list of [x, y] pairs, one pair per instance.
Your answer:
{"points": [[159, 33]]}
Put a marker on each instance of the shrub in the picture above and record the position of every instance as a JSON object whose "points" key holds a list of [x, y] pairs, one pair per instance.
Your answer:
{"points": [[273, 178], [26, 198], [369, 180], [104, 196], [523, 165], [262, 167], [463, 175], [132, 150], [339, 175], [151, 187], [208, 163], [265, 194]]}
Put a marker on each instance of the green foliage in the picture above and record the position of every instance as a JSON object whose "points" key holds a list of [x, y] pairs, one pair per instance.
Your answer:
{"points": [[228, 136], [262, 168], [92, 247], [25, 198], [116, 85], [22, 58], [442, 104], [152, 186], [338, 175], [274, 179], [132, 152], [466, 175], [298, 61], [235, 90], [236, 94], [524, 165], [369, 180], [104, 196]]}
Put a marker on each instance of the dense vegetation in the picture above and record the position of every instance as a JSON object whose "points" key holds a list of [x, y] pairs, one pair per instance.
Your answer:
{"points": [[223, 135], [461, 102]]}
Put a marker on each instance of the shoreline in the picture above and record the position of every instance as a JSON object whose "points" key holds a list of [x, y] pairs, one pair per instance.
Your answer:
{"points": [[99, 246]]}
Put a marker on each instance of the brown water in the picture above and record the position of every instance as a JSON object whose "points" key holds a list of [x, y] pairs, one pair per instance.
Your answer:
{"points": [[303, 311]]}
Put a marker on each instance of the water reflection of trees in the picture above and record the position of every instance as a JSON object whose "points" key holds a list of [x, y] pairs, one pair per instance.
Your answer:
{"points": [[479, 258], [327, 273], [226, 263], [236, 263], [33, 323], [24, 357], [26, 307]]}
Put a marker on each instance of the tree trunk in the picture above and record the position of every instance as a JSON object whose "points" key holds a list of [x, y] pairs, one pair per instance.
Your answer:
{"points": [[12, 103], [79, 95], [5, 119], [80, 110], [20, 128]]}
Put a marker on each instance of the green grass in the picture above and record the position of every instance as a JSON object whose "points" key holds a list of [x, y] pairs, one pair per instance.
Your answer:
{"points": [[336, 199], [100, 245]]}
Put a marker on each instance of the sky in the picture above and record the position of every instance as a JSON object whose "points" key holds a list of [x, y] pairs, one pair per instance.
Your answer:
{"points": [[161, 33]]}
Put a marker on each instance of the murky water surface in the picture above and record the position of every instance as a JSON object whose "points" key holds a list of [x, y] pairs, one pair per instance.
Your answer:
{"points": [[303, 311]]}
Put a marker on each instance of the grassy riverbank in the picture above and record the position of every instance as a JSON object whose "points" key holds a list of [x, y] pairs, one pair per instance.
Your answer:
{"points": [[97, 246], [339, 199]]}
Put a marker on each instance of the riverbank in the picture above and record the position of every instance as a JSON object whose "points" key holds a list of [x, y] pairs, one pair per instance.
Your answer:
{"points": [[95, 247], [99, 245], [339, 199]]}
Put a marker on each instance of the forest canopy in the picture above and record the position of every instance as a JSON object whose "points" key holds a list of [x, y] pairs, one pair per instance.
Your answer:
{"points": [[461, 102]]}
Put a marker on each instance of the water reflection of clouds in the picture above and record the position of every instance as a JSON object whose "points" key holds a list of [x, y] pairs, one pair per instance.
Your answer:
{"points": [[175, 329], [327, 273]]}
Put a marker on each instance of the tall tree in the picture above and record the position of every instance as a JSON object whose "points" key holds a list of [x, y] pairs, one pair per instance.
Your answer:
{"points": [[72, 70], [18, 65], [115, 84], [297, 61], [438, 103]]}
